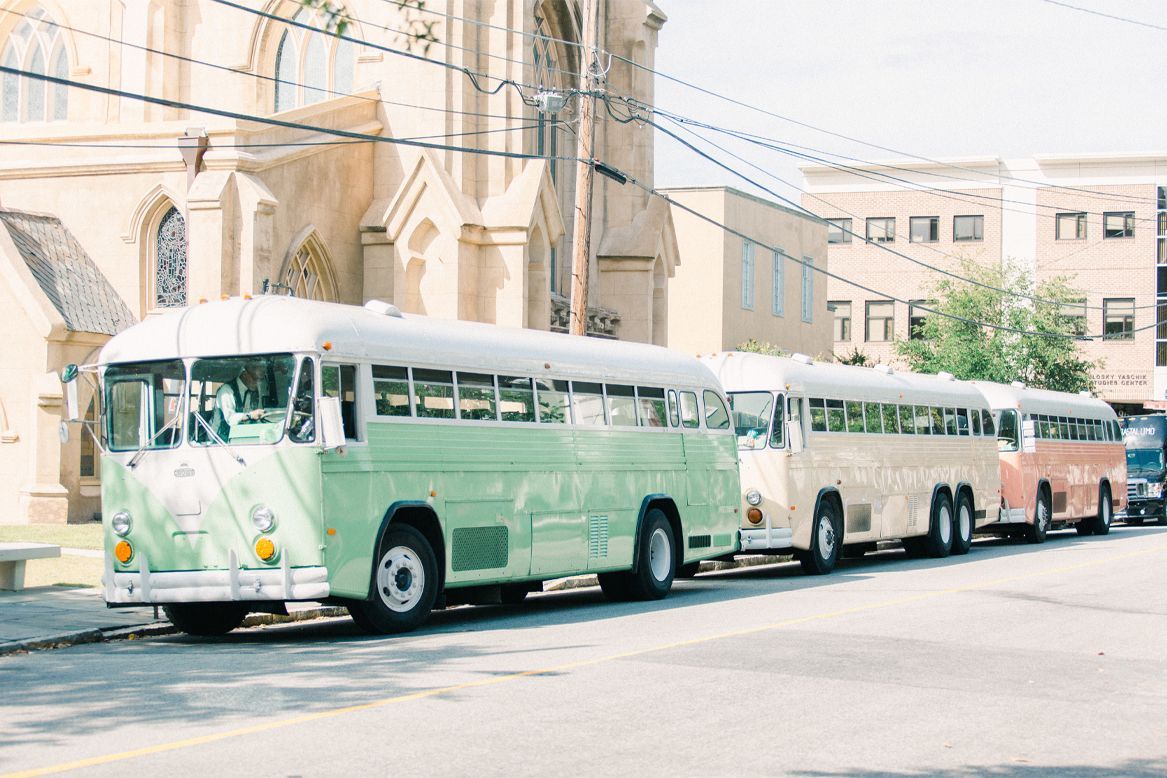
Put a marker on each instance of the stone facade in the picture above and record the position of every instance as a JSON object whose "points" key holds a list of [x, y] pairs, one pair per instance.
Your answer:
{"points": [[1020, 201], [235, 205], [728, 291]]}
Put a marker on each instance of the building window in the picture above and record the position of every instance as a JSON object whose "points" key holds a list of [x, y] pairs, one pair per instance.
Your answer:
{"points": [[310, 64], [968, 228], [842, 311], [36, 45], [1118, 224], [1074, 313], [1161, 332], [924, 229], [880, 321], [1161, 238], [838, 230], [1118, 318], [881, 229], [778, 284], [309, 274], [916, 316], [170, 261], [87, 467], [807, 289], [747, 275], [1071, 226]]}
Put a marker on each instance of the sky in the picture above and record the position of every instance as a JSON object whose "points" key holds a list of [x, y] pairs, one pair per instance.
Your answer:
{"points": [[939, 78]]}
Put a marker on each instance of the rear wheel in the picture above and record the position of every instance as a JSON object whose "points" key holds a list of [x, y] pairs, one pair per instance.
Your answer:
{"points": [[405, 584], [656, 556], [1100, 523], [206, 619], [825, 541], [938, 541], [1035, 532], [963, 525]]}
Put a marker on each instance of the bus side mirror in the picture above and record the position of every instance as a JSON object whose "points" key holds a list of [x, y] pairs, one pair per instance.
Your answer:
{"points": [[331, 423], [69, 379], [794, 435], [1029, 435]]}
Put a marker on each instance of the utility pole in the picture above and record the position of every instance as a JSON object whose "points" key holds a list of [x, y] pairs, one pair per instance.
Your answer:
{"points": [[590, 81]]}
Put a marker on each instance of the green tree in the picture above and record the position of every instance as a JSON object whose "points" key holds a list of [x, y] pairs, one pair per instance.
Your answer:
{"points": [[762, 347], [417, 31], [856, 357], [971, 351]]}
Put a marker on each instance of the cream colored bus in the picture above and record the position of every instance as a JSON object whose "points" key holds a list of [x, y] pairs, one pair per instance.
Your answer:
{"points": [[836, 458]]}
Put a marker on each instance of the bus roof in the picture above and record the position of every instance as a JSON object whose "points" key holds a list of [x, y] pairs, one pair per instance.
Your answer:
{"points": [[1045, 401], [275, 324], [745, 371]]}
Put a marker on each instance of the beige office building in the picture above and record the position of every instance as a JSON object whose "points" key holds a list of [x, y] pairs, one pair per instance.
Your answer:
{"points": [[1100, 221], [729, 289], [111, 207]]}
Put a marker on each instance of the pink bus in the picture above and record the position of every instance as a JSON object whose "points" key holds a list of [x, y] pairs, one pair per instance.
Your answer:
{"points": [[1062, 459]]}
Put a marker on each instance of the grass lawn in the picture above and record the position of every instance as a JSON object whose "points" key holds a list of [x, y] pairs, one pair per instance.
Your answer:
{"points": [[66, 570], [87, 535]]}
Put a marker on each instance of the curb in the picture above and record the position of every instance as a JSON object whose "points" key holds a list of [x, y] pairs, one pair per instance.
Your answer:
{"points": [[82, 637]]}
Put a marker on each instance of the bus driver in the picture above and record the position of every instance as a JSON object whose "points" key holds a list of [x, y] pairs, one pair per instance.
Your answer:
{"points": [[238, 400]]}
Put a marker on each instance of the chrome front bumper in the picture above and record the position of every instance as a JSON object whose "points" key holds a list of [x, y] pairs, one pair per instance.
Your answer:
{"points": [[281, 584], [766, 538]]}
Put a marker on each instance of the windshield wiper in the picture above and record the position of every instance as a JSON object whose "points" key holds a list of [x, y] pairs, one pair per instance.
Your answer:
{"points": [[138, 454], [219, 440]]}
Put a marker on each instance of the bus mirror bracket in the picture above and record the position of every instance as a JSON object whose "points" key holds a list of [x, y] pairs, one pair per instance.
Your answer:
{"points": [[794, 435], [331, 423], [69, 380]]}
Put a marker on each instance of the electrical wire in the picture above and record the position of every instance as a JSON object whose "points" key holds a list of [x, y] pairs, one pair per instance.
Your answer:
{"points": [[1126, 19]]}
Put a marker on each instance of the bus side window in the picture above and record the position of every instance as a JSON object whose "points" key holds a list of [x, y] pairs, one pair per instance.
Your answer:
{"points": [[621, 405], [674, 409], [391, 391], [891, 424], [818, 414], [987, 423], [341, 381], [690, 416], [778, 428], [476, 397], [434, 393], [974, 416], [554, 401], [302, 424], [651, 407], [516, 399], [716, 415], [587, 402]]}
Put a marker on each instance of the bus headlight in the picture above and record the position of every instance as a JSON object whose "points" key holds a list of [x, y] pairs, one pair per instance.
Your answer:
{"points": [[754, 497], [263, 517], [1154, 490], [121, 523]]}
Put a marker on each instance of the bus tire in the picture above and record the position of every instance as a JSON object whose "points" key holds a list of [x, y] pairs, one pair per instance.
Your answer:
{"points": [[689, 570], [963, 524], [825, 541], [206, 619], [938, 541], [1100, 523], [657, 566], [405, 584], [513, 594], [1035, 532], [615, 586]]}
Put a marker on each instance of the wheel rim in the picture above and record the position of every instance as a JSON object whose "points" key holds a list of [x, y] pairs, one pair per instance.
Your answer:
{"points": [[965, 523], [659, 554], [1106, 512], [945, 519], [1042, 516], [826, 534], [400, 579]]}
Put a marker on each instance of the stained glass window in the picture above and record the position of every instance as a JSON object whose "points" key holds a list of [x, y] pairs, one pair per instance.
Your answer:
{"points": [[35, 45], [170, 261]]}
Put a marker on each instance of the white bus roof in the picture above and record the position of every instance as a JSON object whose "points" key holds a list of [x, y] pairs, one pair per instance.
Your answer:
{"points": [[744, 371], [1044, 401], [275, 324]]}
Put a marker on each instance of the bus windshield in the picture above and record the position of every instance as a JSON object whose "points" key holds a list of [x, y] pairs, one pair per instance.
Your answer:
{"points": [[143, 401], [240, 400], [751, 418], [1144, 461], [1007, 432]]}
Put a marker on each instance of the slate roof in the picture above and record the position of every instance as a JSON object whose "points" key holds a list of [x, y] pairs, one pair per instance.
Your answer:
{"points": [[66, 274]]}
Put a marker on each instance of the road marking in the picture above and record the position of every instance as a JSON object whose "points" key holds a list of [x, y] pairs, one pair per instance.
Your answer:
{"points": [[556, 669]]}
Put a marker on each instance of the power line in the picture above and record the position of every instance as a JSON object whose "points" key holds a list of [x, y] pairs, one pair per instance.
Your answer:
{"points": [[803, 209], [239, 116], [1126, 19]]}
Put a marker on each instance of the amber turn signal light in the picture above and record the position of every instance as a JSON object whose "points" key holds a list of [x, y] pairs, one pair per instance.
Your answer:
{"points": [[123, 551], [754, 515], [265, 549]]}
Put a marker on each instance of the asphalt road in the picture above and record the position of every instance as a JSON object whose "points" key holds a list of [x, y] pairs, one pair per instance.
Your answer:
{"points": [[1014, 660]]}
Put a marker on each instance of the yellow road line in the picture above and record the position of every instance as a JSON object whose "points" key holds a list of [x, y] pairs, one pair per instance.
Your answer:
{"points": [[327, 714]]}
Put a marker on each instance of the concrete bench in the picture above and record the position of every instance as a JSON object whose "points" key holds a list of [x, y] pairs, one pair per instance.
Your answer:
{"points": [[12, 559]]}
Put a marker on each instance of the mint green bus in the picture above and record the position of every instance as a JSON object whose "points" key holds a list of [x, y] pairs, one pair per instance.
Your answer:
{"points": [[261, 451]]}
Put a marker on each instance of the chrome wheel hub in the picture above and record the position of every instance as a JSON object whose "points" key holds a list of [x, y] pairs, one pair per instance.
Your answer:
{"points": [[659, 554], [400, 579]]}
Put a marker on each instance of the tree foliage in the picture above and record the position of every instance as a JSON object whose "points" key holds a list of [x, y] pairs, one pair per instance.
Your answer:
{"points": [[762, 347], [856, 357], [971, 351], [418, 31]]}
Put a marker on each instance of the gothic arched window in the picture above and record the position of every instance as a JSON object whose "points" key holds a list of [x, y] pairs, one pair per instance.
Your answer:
{"points": [[170, 261], [311, 65], [37, 46], [308, 274]]}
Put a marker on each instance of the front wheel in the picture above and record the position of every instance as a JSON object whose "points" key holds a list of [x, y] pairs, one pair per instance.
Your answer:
{"points": [[405, 584], [825, 541], [964, 525], [206, 619], [1035, 532], [1100, 523]]}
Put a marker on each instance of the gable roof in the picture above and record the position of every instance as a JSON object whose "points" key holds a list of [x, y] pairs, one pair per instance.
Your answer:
{"points": [[66, 274]]}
